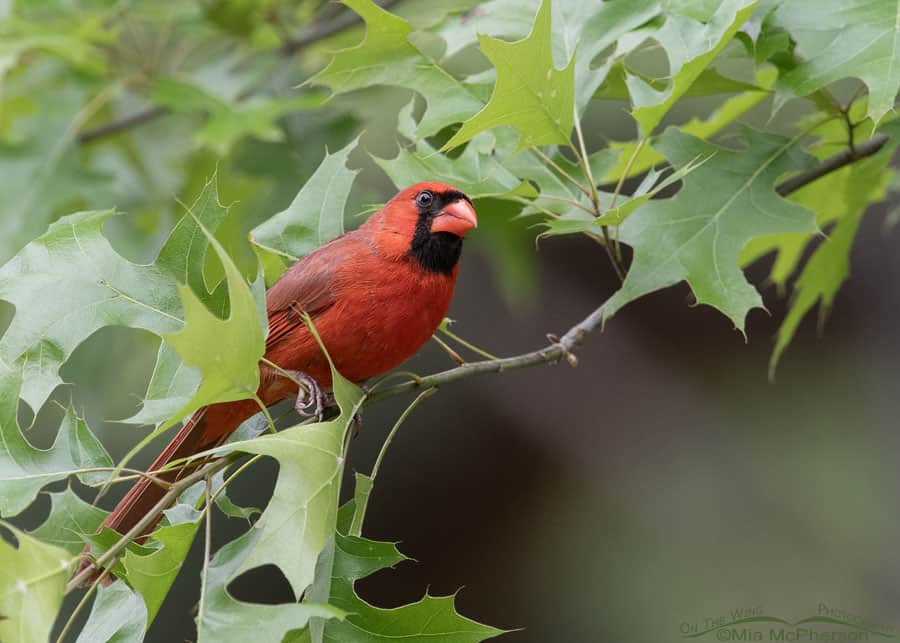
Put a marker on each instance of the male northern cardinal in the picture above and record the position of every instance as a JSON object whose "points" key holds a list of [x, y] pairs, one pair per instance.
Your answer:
{"points": [[375, 295]]}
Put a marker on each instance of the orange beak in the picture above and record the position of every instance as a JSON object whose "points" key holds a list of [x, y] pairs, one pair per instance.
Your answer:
{"points": [[457, 218]]}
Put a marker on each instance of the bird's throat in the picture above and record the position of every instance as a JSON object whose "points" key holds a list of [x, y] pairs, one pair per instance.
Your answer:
{"points": [[435, 251]]}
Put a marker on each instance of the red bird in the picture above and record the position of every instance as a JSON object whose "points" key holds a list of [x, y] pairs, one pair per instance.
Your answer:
{"points": [[375, 296]]}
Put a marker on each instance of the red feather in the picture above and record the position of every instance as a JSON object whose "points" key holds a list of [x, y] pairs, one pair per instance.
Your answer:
{"points": [[373, 304]]}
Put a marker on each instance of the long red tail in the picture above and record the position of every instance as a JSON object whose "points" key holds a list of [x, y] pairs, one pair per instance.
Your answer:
{"points": [[207, 428]]}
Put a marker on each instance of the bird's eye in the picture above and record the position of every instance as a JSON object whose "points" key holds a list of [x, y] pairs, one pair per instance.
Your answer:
{"points": [[424, 198]]}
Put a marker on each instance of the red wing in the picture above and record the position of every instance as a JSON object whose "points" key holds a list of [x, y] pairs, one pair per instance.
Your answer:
{"points": [[310, 286]]}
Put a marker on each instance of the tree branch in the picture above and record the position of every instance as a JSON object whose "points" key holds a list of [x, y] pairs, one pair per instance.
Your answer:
{"points": [[557, 349], [563, 347], [832, 163], [553, 352], [122, 124], [324, 30], [149, 518], [290, 47]]}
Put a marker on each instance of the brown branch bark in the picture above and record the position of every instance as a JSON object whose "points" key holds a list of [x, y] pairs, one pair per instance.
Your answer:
{"points": [[556, 350], [832, 163], [149, 518]]}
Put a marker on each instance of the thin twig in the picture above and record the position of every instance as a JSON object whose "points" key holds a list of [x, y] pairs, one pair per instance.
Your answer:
{"points": [[390, 437], [81, 604], [586, 164], [555, 351], [562, 172], [618, 190], [289, 47], [120, 125], [207, 553], [832, 163], [150, 518], [562, 199], [452, 354], [472, 347], [321, 31]]}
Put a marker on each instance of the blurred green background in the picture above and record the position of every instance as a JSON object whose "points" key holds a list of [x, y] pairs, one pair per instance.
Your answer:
{"points": [[663, 481]]}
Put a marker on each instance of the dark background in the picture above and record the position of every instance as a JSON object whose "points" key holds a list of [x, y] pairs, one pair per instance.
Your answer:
{"points": [[663, 481]]}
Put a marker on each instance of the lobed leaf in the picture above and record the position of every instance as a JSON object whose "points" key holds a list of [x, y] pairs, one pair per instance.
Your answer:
{"points": [[387, 57], [224, 619], [32, 581], [531, 94], [315, 216], [844, 38], [70, 519], [24, 469], [698, 234], [690, 43], [117, 616]]}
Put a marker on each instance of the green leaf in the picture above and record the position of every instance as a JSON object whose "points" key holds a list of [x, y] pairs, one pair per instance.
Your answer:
{"points": [[171, 387], [588, 27], [226, 351], [192, 495], [690, 45], [43, 174], [844, 38], [152, 575], [75, 42], [300, 517], [315, 216], [830, 197], [578, 221], [387, 57], [105, 539], [32, 581], [85, 285], [70, 518], [431, 618], [117, 616], [847, 194], [25, 469], [477, 171], [698, 234], [223, 619], [704, 128], [709, 83], [228, 122], [531, 95]]}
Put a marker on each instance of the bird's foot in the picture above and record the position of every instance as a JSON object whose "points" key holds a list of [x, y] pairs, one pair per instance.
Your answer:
{"points": [[310, 400]]}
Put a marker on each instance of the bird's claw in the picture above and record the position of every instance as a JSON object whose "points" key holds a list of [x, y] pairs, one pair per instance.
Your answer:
{"points": [[310, 399]]}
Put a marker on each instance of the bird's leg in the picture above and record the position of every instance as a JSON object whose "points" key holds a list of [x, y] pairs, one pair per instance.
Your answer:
{"points": [[309, 395]]}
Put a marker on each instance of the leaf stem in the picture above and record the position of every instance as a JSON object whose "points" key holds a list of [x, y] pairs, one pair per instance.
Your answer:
{"points": [[81, 604], [150, 517], [562, 172], [207, 552], [586, 164], [390, 437], [472, 347], [562, 199], [832, 163], [455, 357]]}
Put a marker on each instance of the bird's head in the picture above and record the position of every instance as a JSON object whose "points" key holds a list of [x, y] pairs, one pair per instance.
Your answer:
{"points": [[427, 221]]}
